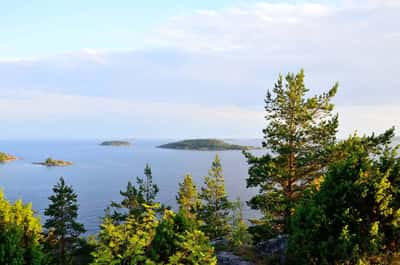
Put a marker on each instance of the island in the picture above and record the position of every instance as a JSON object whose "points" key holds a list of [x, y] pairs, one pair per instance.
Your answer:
{"points": [[50, 162], [204, 145], [4, 157], [116, 143]]}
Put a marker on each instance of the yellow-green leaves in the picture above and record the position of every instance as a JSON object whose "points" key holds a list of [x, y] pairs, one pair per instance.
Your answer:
{"points": [[20, 233]]}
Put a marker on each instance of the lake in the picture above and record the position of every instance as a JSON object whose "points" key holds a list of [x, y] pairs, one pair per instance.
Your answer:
{"points": [[100, 172]]}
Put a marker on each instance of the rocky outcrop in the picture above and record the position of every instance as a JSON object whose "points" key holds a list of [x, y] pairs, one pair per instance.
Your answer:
{"points": [[228, 258], [275, 247]]}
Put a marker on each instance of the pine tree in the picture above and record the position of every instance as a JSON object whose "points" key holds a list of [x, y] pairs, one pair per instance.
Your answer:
{"points": [[133, 197], [62, 214], [146, 186], [188, 198], [131, 204], [299, 136], [216, 207], [239, 235]]}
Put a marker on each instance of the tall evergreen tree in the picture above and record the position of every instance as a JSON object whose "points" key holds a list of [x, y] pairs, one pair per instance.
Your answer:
{"points": [[133, 197], [216, 207], [188, 198], [62, 214], [146, 186], [299, 136]]}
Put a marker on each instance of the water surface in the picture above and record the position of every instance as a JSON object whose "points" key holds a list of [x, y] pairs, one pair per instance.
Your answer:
{"points": [[100, 172]]}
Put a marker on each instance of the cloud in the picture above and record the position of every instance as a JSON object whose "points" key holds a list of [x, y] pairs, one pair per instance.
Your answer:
{"points": [[368, 119], [213, 67], [55, 109]]}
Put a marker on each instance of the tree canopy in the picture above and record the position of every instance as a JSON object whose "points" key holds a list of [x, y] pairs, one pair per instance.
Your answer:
{"points": [[354, 218], [300, 135], [216, 207], [61, 223]]}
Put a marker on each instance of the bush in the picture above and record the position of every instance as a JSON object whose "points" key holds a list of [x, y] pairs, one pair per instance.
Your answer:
{"points": [[355, 217]]}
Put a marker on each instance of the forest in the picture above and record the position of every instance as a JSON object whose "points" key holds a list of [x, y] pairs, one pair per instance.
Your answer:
{"points": [[331, 201]]}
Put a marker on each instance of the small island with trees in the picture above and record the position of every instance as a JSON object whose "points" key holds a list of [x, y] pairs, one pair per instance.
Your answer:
{"points": [[115, 143], [4, 157], [50, 162], [204, 145]]}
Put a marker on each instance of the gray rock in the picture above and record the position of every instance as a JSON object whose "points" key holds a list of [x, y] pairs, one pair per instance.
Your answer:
{"points": [[275, 247], [228, 258]]}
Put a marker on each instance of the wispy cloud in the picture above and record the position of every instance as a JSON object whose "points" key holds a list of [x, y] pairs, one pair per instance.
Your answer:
{"points": [[212, 67]]}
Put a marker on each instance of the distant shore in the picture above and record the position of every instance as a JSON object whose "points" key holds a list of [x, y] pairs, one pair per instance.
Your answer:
{"points": [[115, 143], [53, 163], [205, 145], [4, 157]]}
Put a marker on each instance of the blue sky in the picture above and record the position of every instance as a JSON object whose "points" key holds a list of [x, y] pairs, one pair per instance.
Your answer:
{"points": [[177, 69], [32, 28]]}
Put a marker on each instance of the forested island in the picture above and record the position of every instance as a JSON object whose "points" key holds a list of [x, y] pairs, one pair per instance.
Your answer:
{"points": [[4, 157], [204, 145], [50, 162], [115, 143]]}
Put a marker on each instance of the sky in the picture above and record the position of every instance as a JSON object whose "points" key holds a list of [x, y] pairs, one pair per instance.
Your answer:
{"points": [[185, 69]]}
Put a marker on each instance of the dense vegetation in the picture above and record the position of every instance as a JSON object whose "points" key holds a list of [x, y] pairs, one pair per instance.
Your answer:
{"points": [[338, 202], [116, 143], [354, 217], [204, 144]]}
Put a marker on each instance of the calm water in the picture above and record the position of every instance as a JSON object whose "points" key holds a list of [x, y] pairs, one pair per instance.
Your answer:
{"points": [[100, 172]]}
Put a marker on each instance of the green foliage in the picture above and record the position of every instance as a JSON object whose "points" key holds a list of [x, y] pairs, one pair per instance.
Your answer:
{"points": [[134, 198], [188, 198], [20, 234], [53, 162], [169, 232], [354, 218], [50, 161], [126, 243], [145, 241], [239, 235], [299, 135], [204, 144], [116, 143], [216, 207], [6, 157], [61, 223], [194, 249]]}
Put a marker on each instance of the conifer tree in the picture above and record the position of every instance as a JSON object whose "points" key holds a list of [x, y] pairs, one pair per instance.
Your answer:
{"points": [[147, 240], [354, 218], [188, 198], [146, 186], [216, 207], [134, 197], [239, 235], [62, 214], [299, 136]]}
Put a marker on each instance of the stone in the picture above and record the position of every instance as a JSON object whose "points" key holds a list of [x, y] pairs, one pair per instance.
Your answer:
{"points": [[275, 247], [228, 258]]}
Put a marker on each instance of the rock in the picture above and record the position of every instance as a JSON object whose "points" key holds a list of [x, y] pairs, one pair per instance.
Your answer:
{"points": [[275, 247], [228, 258], [220, 242]]}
